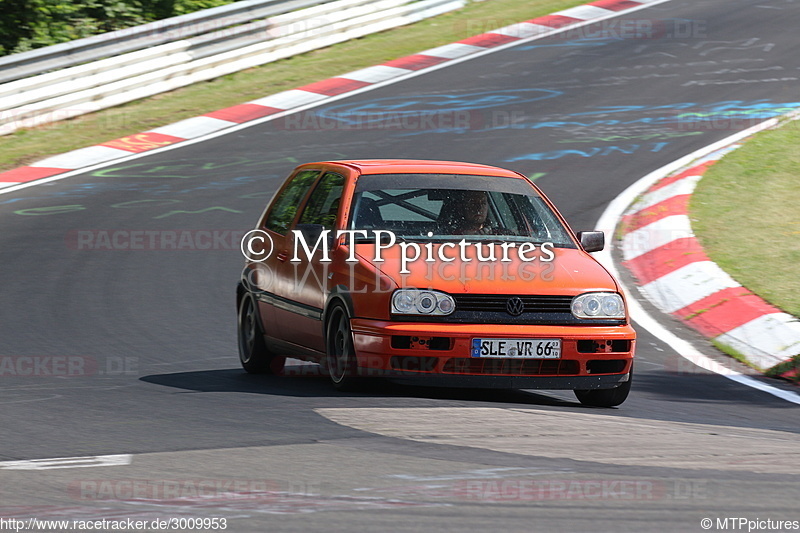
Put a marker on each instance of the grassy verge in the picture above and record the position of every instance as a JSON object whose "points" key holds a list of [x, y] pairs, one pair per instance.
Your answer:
{"points": [[789, 370], [745, 213], [26, 146]]}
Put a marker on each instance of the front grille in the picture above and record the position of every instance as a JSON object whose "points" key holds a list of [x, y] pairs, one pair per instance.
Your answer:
{"points": [[514, 367], [606, 366], [495, 309], [497, 303], [407, 342], [604, 346]]}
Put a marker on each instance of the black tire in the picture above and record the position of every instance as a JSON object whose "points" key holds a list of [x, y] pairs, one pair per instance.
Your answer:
{"points": [[341, 355], [253, 352], [605, 397]]}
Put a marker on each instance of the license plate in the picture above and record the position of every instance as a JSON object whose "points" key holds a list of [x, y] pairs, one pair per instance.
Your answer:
{"points": [[517, 348]]}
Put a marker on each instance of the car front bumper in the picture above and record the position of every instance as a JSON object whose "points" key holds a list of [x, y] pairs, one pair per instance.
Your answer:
{"points": [[592, 357]]}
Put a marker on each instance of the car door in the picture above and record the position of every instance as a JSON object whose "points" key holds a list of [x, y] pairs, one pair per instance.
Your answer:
{"points": [[277, 222], [304, 280]]}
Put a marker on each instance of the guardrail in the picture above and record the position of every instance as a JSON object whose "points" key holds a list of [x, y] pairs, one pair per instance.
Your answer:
{"points": [[22, 65], [148, 60]]}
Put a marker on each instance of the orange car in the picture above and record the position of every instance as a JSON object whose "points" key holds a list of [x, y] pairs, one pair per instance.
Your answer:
{"points": [[461, 274]]}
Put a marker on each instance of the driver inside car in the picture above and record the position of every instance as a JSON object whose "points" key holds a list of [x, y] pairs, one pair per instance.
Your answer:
{"points": [[465, 213]]}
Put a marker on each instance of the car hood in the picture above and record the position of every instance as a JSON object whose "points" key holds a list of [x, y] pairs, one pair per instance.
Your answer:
{"points": [[571, 271]]}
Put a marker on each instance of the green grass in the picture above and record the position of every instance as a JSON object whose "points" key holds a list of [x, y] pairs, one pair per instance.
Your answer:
{"points": [[746, 213], [26, 146], [792, 364], [724, 348]]}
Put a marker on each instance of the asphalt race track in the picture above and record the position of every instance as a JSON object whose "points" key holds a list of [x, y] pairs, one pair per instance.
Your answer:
{"points": [[135, 350]]}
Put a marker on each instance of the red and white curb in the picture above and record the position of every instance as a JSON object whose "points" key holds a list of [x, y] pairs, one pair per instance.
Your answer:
{"points": [[316, 93], [608, 222], [677, 276]]}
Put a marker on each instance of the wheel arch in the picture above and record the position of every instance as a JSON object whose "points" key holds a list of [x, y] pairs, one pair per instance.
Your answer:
{"points": [[241, 293], [339, 295]]}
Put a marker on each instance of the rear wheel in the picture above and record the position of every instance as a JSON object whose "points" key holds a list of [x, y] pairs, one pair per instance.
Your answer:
{"points": [[605, 397], [253, 352], [342, 363]]}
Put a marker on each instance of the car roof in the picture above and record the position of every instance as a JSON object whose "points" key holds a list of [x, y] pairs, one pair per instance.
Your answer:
{"points": [[419, 166]]}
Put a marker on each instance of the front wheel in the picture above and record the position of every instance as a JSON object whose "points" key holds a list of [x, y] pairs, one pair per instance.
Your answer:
{"points": [[606, 397], [342, 363], [253, 352]]}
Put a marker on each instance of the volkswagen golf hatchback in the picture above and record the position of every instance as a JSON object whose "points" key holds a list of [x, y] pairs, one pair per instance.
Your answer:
{"points": [[452, 274]]}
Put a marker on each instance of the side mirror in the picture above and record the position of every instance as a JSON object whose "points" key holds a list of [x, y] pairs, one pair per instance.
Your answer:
{"points": [[592, 241]]}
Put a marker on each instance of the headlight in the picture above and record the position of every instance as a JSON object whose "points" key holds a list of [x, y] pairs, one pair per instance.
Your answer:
{"points": [[598, 305], [421, 302]]}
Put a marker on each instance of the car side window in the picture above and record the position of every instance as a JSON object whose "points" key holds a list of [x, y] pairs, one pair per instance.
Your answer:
{"points": [[323, 205], [285, 207]]}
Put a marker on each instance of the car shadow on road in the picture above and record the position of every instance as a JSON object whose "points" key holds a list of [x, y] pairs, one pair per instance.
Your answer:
{"points": [[309, 381]]}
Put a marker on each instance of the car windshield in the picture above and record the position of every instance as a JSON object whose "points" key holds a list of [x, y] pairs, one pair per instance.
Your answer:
{"points": [[436, 207]]}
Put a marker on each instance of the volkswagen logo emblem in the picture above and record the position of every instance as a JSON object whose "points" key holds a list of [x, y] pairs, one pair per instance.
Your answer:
{"points": [[515, 306]]}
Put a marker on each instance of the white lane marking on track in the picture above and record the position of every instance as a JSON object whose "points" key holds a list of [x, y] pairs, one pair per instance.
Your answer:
{"points": [[608, 222], [326, 100], [68, 462]]}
